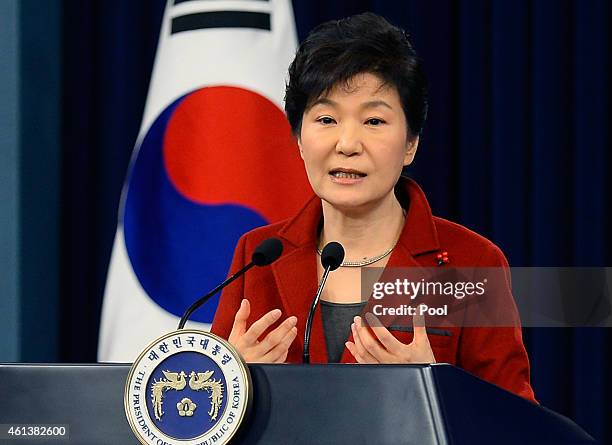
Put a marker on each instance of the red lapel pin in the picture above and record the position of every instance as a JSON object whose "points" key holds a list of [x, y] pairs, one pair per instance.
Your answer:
{"points": [[442, 258]]}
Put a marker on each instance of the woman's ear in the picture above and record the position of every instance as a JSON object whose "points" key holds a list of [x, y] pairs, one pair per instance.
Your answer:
{"points": [[411, 148], [299, 142]]}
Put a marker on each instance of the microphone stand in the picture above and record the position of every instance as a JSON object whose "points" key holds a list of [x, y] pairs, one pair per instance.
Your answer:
{"points": [[206, 297], [306, 356]]}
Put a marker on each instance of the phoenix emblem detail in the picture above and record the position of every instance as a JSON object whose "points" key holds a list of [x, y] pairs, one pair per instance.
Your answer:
{"points": [[177, 381], [173, 380], [203, 381]]}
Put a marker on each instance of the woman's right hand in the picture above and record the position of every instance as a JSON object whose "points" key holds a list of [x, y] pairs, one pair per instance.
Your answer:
{"points": [[274, 347]]}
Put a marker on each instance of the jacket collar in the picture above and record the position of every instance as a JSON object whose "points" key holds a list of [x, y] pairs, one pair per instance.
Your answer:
{"points": [[418, 236], [296, 271]]}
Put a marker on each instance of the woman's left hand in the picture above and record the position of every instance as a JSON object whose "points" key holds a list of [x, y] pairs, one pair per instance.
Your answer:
{"points": [[384, 347]]}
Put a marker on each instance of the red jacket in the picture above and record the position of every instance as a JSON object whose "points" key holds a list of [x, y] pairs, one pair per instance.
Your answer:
{"points": [[493, 354]]}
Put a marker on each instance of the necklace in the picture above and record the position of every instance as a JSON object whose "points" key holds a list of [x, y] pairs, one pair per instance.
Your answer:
{"points": [[365, 261]]}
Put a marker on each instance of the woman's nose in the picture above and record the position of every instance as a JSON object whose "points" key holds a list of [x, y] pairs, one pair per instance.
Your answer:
{"points": [[349, 141]]}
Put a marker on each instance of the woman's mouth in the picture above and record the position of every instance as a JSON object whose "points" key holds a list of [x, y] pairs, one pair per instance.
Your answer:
{"points": [[346, 176]]}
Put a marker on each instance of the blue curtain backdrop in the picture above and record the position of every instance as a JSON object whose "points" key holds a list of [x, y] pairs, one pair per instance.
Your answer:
{"points": [[514, 148]]}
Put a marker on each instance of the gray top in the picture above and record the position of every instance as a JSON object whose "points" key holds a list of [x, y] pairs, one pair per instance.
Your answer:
{"points": [[337, 319]]}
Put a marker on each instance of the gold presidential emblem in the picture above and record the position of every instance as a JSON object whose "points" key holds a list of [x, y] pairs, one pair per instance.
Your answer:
{"points": [[188, 387]]}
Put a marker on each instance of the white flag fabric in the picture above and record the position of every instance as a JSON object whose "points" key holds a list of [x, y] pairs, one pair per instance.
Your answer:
{"points": [[214, 159]]}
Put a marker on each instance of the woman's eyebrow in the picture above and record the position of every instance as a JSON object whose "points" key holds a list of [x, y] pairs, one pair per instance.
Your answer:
{"points": [[376, 103], [365, 105], [324, 101]]}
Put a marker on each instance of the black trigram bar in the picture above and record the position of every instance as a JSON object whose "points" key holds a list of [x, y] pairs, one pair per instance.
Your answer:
{"points": [[221, 19]]}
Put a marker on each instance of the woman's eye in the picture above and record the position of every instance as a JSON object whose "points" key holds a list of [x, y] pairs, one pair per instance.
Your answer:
{"points": [[325, 120], [375, 121]]}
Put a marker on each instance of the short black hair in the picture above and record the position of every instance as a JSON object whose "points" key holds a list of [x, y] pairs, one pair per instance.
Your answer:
{"points": [[337, 50]]}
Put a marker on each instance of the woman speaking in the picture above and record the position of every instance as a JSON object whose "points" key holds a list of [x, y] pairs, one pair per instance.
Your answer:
{"points": [[356, 101]]}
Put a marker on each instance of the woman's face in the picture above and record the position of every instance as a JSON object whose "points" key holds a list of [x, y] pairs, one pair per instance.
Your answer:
{"points": [[354, 142]]}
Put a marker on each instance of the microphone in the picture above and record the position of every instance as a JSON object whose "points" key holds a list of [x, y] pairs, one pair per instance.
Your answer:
{"points": [[266, 253], [331, 259]]}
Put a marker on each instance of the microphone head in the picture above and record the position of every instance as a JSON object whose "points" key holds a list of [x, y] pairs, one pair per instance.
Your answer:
{"points": [[267, 252], [332, 255]]}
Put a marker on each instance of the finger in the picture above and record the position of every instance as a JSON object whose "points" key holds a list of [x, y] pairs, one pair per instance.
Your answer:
{"points": [[283, 358], [362, 351], [420, 331], [353, 350], [371, 344], [240, 320], [389, 342], [286, 344], [278, 353], [259, 327], [276, 336]]}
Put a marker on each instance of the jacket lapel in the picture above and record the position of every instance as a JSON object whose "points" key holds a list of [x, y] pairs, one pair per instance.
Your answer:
{"points": [[296, 275]]}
